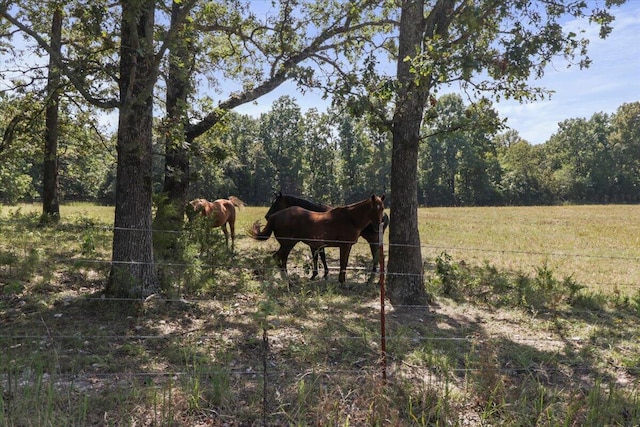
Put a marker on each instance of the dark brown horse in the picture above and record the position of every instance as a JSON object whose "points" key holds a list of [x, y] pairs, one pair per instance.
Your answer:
{"points": [[219, 212], [338, 227], [370, 232]]}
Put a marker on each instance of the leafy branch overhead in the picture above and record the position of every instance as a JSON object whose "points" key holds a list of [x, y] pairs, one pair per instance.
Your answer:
{"points": [[492, 48], [264, 52], [489, 49]]}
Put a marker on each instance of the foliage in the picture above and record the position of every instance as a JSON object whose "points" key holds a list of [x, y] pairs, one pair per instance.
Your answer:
{"points": [[320, 164], [281, 135], [15, 185], [487, 284]]}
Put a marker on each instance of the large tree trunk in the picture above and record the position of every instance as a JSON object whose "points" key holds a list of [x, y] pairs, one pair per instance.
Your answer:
{"points": [[50, 201], [133, 270], [405, 283]]}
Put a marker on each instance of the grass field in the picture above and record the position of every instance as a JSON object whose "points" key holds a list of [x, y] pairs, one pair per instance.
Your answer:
{"points": [[535, 321], [598, 245]]}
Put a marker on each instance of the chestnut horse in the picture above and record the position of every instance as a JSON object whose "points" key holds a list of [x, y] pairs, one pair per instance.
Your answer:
{"points": [[339, 227], [370, 232], [220, 212]]}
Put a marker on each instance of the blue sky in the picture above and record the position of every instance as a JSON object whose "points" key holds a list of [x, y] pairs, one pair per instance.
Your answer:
{"points": [[611, 80]]}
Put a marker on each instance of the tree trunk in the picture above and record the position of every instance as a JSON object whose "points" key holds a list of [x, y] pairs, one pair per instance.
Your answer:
{"points": [[133, 270], [405, 282], [50, 200], [170, 212], [176, 171]]}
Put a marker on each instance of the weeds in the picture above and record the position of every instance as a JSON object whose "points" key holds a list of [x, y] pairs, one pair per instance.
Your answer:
{"points": [[488, 285]]}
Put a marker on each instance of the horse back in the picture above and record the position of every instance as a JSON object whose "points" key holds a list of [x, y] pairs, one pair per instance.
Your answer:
{"points": [[225, 211], [328, 228]]}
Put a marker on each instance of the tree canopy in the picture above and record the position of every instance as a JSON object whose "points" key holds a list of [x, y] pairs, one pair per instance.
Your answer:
{"points": [[210, 57]]}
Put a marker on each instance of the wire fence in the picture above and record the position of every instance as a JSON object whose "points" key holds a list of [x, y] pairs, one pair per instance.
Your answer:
{"points": [[420, 348], [431, 251]]}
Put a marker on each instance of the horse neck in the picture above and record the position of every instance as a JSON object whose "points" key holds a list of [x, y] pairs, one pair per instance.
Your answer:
{"points": [[360, 211], [312, 206]]}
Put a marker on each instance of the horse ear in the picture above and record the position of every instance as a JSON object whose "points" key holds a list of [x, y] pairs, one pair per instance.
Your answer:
{"points": [[382, 197]]}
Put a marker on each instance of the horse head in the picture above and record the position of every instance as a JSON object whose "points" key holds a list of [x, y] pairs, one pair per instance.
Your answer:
{"points": [[377, 209], [278, 204], [193, 208]]}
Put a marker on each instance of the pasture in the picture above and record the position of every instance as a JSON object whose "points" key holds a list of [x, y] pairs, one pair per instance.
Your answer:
{"points": [[535, 321]]}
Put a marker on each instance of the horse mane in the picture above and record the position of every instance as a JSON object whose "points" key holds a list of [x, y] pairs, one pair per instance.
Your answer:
{"points": [[303, 203]]}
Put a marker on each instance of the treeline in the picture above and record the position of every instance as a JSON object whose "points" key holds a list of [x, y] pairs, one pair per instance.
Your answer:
{"points": [[595, 160], [465, 159]]}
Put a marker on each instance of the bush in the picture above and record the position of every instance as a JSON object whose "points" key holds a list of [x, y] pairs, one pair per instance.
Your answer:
{"points": [[489, 285]]}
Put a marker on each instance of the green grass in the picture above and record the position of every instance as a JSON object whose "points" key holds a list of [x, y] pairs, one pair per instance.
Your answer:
{"points": [[534, 323], [598, 246]]}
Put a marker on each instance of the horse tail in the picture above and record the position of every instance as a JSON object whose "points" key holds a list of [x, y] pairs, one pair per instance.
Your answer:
{"points": [[237, 202], [256, 234]]}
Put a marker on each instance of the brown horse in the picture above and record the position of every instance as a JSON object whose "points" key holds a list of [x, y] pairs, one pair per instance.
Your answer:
{"points": [[220, 212], [339, 227], [370, 232]]}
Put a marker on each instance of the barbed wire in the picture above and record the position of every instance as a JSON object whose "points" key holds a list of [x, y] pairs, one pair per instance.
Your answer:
{"points": [[389, 244], [274, 269], [413, 337], [425, 246], [254, 372]]}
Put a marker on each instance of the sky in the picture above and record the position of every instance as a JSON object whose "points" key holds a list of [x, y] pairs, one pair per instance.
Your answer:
{"points": [[612, 80]]}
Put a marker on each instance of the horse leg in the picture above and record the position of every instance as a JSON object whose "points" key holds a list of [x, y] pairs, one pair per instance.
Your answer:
{"points": [[314, 256], [232, 227], [323, 258], [375, 255], [226, 235], [282, 255], [344, 259]]}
